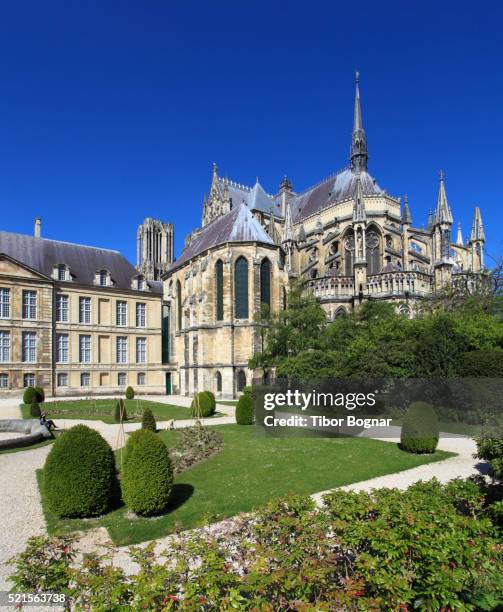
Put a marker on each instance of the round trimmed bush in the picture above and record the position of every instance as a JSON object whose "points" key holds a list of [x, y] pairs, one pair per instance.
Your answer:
{"points": [[147, 475], [30, 395], [244, 410], [117, 413], [206, 405], [148, 420], [248, 390], [130, 393], [420, 429], [79, 474], [211, 395], [35, 410], [40, 395]]}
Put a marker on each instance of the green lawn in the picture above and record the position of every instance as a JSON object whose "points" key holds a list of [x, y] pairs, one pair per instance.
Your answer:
{"points": [[228, 402], [103, 410], [248, 472]]}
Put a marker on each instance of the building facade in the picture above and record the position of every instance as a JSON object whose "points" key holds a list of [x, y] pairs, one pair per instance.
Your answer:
{"points": [[76, 320], [346, 238]]}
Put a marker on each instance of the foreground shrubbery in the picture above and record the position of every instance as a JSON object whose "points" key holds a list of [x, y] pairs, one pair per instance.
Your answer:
{"points": [[120, 414], [244, 410], [148, 420], [33, 395], [490, 448], [147, 474], [194, 445], [79, 474], [429, 548]]}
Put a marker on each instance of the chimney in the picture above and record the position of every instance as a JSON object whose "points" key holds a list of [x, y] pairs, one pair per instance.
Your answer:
{"points": [[36, 232]]}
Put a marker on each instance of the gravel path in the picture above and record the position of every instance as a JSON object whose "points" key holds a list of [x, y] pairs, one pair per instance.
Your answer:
{"points": [[20, 506]]}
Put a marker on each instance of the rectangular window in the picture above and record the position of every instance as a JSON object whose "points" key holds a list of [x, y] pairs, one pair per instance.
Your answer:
{"points": [[4, 346], [4, 381], [29, 380], [121, 379], [121, 313], [61, 272], [62, 352], [141, 378], [85, 349], [141, 350], [29, 304], [122, 349], [4, 303], [85, 310], [141, 314], [62, 380], [85, 379], [62, 308], [29, 347]]}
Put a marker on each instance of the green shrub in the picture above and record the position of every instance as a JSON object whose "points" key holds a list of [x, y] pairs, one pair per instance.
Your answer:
{"points": [[248, 390], [148, 420], [120, 406], [147, 476], [40, 394], [206, 405], [244, 410], [211, 395], [30, 395], [79, 474], [35, 410], [483, 363], [420, 429], [490, 448], [130, 393]]}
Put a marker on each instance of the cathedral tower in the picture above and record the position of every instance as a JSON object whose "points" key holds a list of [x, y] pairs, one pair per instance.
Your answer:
{"points": [[154, 248]]}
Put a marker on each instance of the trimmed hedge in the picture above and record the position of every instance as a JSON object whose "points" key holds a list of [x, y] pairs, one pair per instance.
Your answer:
{"points": [[244, 410], [35, 410], [206, 405], [79, 474], [148, 420], [490, 448], [117, 413], [30, 395], [40, 395], [147, 475], [420, 430], [130, 393], [483, 363]]}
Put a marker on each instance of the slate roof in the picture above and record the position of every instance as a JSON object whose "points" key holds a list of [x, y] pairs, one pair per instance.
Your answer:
{"points": [[43, 255], [335, 188], [254, 197], [238, 225]]}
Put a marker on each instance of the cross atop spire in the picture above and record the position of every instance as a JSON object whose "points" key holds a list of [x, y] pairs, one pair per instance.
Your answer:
{"points": [[359, 153]]}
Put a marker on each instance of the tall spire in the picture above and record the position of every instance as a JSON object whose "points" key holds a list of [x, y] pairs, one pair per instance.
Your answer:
{"points": [[459, 237], [443, 212], [430, 220], [359, 153], [406, 216], [359, 212], [477, 226], [288, 230]]}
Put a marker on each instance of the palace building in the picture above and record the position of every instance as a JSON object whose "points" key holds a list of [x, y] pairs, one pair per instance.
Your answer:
{"points": [[76, 320], [345, 237]]}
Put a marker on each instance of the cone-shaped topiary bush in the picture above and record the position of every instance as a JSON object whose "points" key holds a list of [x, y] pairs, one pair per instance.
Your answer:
{"points": [[247, 390], [120, 406], [211, 395], [30, 395], [244, 410], [148, 420], [206, 405], [130, 393], [40, 395], [420, 429], [35, 410], [147, 475], [79, 474]]}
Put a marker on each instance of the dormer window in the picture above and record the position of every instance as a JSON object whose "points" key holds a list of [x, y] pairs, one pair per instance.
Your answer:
{"points": [[103, 278], [139, 283], [61, 272]]}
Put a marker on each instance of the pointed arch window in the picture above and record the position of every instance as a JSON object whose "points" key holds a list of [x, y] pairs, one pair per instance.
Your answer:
{"points": [[241, 288], [265, 282], [219, 282], [179, 305], [218, 377], [373, 251]]}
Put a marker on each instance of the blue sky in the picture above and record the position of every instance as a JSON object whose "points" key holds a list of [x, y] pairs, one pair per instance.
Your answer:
{"points": [[113, 111]]}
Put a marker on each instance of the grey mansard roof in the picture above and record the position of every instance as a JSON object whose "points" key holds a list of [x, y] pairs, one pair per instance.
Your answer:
{"points": [[238, 225], [335, 188], [43, 255]]}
